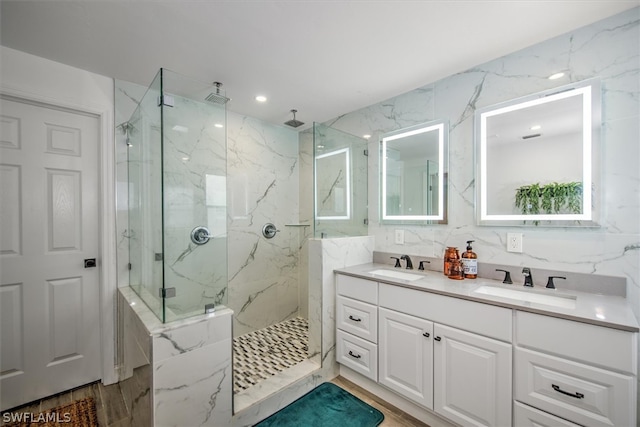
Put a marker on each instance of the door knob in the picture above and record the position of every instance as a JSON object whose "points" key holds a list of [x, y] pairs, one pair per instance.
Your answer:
{"points": [[90, 263]]}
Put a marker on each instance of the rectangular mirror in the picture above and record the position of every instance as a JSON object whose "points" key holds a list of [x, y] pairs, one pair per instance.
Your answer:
{"points": [[413, 174], [538, 158], [332, 187]]}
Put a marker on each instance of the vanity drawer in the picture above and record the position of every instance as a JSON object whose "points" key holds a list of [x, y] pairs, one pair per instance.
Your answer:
{"points": [[526, 416], [357, 354], [595, 345], [358, 318], [484, 319], [580, 393], [357, 288]]}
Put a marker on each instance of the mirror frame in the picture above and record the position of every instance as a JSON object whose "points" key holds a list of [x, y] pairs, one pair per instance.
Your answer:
{"points": [[442, 127], [590, 90]]}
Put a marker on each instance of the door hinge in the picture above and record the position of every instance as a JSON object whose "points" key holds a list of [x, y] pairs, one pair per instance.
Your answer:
{"points": [[366, 221], [167, 292], [129, 266], [366, 152], [166, 100]]}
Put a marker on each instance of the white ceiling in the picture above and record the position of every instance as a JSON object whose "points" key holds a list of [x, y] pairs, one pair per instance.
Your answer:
{"points": [[324, 57]]}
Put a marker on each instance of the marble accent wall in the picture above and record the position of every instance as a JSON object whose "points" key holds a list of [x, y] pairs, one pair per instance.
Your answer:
{"points": [[608, 49], [263, 175], [181, 370]]}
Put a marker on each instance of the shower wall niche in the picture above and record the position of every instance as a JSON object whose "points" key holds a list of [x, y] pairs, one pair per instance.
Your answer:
{"points": [[176, 182]]}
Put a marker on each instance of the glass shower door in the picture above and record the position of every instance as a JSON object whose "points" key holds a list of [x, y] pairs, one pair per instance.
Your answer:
{"points": [[177, 197], [194, 208], [145, 198]]}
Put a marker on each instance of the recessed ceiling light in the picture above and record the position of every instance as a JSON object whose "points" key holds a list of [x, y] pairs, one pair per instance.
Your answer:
{"points": [[219, 125], [535, 127], [261, 98], [556, 76], [366, 136], [179, 128], [320, 146], [185, 159]]}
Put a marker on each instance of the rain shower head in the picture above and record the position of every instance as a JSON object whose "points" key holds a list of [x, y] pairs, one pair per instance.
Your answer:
{"points": [[293, 122], [217, 97]]}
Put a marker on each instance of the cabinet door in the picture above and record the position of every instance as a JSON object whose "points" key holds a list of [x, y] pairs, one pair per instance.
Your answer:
{"points": [[406, 356], [472, 378]]}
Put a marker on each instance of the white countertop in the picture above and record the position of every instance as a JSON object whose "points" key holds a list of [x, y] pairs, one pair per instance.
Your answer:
{"points": [[601, 310]]}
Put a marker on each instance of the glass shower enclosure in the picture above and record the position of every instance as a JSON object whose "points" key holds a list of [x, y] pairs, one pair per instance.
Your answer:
{"points": [[177, 197], [340, 183]]}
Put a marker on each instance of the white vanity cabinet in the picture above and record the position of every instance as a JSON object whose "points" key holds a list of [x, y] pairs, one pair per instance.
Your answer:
{"points": [[442, 353], [406, 356], [472, 378], [478, 364], [582, 373], [357, 323]]}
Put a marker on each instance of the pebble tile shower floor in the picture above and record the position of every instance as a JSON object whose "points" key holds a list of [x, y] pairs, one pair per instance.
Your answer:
{"points": [[261, 354]]}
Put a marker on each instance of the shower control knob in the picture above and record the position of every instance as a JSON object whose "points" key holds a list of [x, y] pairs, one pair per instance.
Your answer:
{"points": [[269, 230], [200, 235]]}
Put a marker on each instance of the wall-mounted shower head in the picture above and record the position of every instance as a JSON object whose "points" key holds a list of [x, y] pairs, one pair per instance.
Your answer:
{"points": [[293, 122], [217, 97]]}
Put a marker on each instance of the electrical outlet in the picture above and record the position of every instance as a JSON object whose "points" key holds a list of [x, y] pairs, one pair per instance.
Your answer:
{"points": [[514, 242], [399, 237]]}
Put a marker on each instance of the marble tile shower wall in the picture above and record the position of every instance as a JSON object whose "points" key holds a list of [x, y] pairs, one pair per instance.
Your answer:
{"points": [[262, 174], [262, 169], [194, 195], [609, 49]]}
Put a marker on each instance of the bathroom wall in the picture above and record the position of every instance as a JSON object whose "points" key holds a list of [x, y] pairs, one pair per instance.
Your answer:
{"points": [[608, 49], [262, 170], [41, 80], [262, 187]]}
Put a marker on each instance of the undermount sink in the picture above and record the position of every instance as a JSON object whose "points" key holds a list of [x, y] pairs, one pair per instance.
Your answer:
{"points": [[396, 274], [563, 301]]}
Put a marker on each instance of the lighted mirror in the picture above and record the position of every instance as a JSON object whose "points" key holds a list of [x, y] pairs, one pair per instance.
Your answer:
{"points": [[332, 187], [413, 174], [538, 158]]}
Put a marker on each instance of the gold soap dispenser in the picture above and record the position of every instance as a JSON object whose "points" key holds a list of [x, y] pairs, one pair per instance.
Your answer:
{"points": [[470, 262]]}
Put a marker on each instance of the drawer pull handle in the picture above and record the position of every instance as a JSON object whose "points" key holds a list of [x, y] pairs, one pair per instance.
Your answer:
{"points": [[437, 338], [355, 319], [426, 334], [559, 390], [355, 356]]}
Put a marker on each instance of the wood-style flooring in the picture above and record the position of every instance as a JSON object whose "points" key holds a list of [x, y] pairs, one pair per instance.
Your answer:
{"points": [[113, 412], [393, 417], [110, 405]]}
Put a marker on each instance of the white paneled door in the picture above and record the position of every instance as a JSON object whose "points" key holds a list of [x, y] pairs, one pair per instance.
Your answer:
{"points": [[49, 290]]}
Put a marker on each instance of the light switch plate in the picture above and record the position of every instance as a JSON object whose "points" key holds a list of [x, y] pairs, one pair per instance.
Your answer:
{"points": [[399, 237]]}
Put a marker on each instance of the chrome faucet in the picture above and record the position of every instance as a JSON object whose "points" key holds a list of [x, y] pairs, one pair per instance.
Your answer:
{"points": [[409, 263], [528, 278]]}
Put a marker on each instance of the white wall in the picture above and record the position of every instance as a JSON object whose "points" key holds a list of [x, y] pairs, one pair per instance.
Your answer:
{"points": [[39, 79]]}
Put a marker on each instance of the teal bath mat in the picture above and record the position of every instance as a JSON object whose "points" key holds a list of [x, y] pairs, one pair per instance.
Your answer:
{"points": [[325, 406]]}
